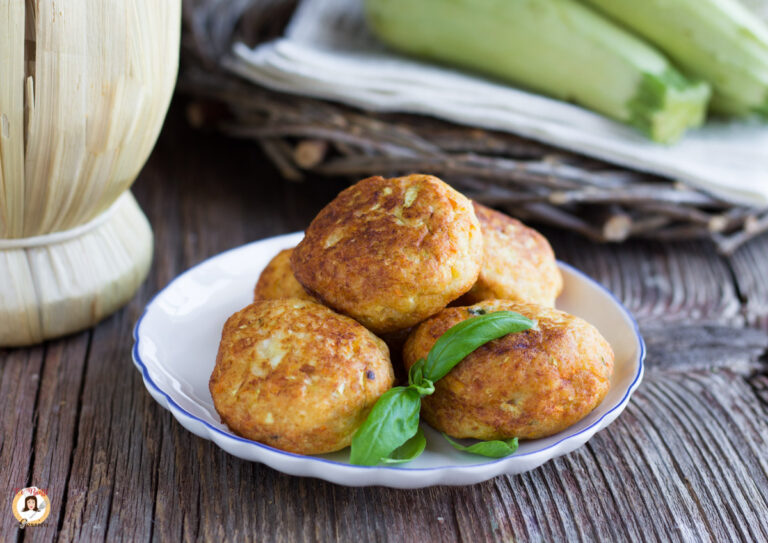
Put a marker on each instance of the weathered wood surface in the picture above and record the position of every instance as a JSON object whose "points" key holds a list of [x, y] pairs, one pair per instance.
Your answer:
{"points": [[687, 460]]}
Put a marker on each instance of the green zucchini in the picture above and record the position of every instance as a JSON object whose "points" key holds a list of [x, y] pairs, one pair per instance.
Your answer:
{"points": [[557, 47], [719, 41]]}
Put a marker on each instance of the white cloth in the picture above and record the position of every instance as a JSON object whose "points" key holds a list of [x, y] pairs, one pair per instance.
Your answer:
{"points": [[327, 52]]}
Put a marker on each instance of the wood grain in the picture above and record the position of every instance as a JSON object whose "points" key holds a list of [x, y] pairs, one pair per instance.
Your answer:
{"points": [[19, 386], [749, 266], [667, 282], [687, 460]]}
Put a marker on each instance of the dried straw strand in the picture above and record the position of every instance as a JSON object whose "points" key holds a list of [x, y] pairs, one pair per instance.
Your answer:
{"points": [[12, 24]]}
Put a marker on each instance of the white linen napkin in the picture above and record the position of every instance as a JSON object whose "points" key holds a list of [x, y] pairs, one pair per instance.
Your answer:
{"points": [[327, 52]]}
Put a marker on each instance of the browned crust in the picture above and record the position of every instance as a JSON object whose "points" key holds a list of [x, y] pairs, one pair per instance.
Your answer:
{"points": [[526, 385], [391, 252], [518, 263], [277, 281], [297, 376]]}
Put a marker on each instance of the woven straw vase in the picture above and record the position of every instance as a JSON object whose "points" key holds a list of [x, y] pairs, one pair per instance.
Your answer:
{"points": [[84, 88]]}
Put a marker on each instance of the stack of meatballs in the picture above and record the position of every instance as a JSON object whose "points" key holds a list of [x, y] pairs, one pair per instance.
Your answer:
{"points": [[382, 272]]}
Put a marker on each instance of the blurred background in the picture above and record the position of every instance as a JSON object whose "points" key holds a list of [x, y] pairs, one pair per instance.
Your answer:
{"points": [[609, 119]]}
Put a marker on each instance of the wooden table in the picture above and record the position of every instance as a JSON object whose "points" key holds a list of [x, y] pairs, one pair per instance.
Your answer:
{"points": [[687, 460]]}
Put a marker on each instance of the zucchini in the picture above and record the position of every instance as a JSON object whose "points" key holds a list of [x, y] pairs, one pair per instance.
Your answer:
{"points": [[719, 41], [557, 47]]}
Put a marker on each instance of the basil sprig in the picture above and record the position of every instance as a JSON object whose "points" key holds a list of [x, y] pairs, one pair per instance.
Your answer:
{"points": [[494, 449], [391, 433]]}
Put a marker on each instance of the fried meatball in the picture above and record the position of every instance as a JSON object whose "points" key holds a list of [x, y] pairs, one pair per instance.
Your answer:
{"points": [[277, 281], [391, 252], [518, 263], [526, 385], [297, 376]]}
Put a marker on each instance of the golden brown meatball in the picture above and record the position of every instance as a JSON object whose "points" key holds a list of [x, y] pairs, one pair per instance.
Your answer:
{"points": [[527, 385], [391, 252], [297, 376], [518, 263], [277, 281]]}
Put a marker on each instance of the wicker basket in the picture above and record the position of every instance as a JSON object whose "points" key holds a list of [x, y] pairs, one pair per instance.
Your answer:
{"points": [[533, 181]]}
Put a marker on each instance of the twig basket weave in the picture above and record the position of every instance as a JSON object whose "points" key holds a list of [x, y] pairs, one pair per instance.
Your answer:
{"points": [[84, 88], [534, 181]]}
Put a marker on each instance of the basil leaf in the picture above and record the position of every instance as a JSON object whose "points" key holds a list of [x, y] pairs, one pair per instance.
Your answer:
{"points": [[460, 340], [410, 450], [393, 420], [494, 449], [416, 373]]}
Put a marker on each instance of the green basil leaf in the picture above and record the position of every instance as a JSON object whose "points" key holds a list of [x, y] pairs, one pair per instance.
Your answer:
{"points": [[494, 449], [393, 420], [416, 373], [460, 340], [407, 452]]}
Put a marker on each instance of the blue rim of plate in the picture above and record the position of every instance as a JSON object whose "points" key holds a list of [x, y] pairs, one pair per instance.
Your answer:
{"points": [[142, 367]]}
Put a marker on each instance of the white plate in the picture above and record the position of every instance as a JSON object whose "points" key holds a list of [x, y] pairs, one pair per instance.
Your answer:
{"points": [[177, 337]]}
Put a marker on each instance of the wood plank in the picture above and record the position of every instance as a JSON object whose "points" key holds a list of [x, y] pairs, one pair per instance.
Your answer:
{"points": [[658, 282], [113, 474], [684, 348], [759, 384], [20, 373], [57, 415], [749, 266]]}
